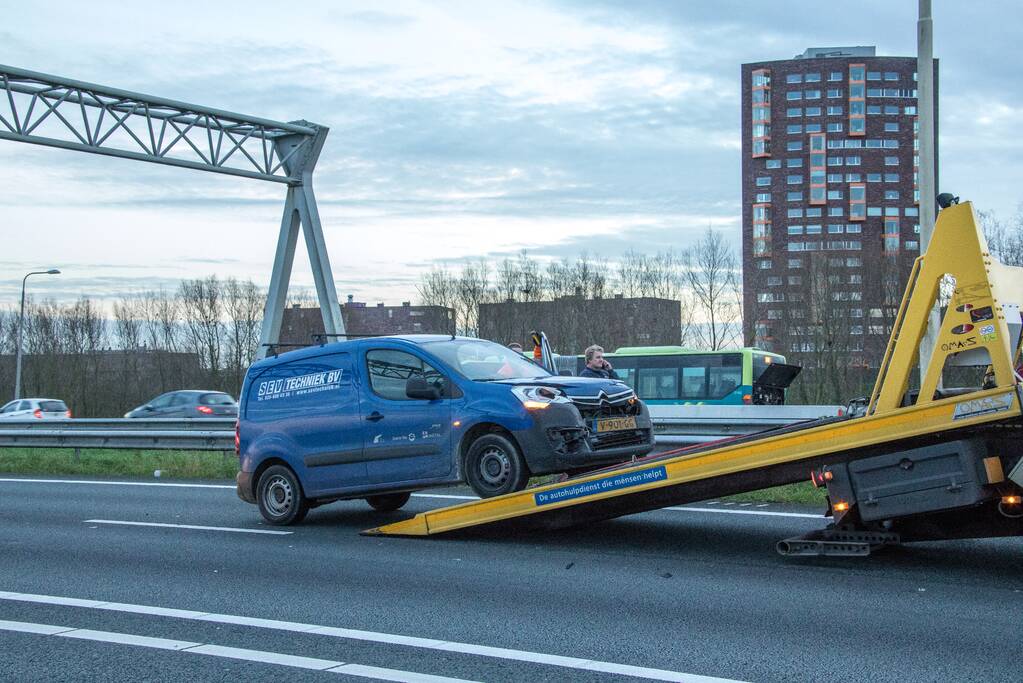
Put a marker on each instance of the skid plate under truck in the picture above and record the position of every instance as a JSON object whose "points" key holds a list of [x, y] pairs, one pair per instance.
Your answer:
{"points": [[912, 468]]}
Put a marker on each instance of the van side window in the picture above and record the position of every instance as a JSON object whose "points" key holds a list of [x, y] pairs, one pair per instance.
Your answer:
{"points": [[390, 370]]}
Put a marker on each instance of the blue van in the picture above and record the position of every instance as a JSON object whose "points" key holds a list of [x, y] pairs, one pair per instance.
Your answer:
{"points": [[381, 417]]}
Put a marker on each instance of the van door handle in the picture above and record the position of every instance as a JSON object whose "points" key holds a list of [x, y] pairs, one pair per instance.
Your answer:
{"points": [[375, 416]]}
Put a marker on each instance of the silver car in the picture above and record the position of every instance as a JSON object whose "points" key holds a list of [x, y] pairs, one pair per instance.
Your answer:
{"points": [[188, 403], [35, 408]]}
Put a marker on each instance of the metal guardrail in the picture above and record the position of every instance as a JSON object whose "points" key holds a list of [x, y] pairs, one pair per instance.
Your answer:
{"points": [[162, 434], [673, 425]]}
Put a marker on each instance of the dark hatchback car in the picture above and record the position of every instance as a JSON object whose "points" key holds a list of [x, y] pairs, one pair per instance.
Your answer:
{"points": [[189, 403]]}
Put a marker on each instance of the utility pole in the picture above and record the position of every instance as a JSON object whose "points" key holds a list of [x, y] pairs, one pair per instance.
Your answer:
{"points": [[925, 136]]}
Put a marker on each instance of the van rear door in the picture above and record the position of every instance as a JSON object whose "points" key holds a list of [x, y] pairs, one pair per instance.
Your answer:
{"points": [[405, 439], [314, 403]]}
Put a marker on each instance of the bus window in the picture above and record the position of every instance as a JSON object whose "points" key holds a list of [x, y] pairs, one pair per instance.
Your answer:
{"points": [[694, 383], [724, 373], [658, 383], [625, 368]]}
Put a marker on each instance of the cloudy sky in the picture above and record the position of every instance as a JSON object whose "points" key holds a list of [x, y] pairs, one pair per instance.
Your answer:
{"points": [[457, 129]]}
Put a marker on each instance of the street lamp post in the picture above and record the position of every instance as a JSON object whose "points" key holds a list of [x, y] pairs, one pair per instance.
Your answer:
{"points": [[21, 329]]}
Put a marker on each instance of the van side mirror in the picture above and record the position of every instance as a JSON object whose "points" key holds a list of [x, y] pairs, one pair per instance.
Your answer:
{"points": [[419, 388]]}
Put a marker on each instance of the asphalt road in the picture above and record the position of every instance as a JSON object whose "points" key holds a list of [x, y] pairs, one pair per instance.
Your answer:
{"points": [[667, 595]]}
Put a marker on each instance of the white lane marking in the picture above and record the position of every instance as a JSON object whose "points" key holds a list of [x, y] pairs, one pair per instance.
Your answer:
{"points": [[262, 657], [414, 495], [117, 483], [758, 513], [375, 637], [188, 526]]}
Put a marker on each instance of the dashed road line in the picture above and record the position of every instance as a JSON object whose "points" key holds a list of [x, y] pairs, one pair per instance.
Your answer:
{"points": [[198, 527], [576, 663], [243, 654]]}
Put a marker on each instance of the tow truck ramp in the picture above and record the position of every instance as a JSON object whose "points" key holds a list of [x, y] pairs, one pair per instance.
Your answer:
{"points": [[931, 468]]}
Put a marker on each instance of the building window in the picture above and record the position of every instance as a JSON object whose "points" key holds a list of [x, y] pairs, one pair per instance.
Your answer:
{"points": [[891, 194], [812, 94], [794, 179], [813, 78], [912, 211], [853, 177], [834, 161], [794, 128], [761, 148], [795, 213], [763, 181], [794, 145], [891, 127], [763, 197], [912, 245], [813, 111], [873, 75], [773, 163], [891, 211], [813, 212], [835, 111], [835, 229], [853, 228], [795, 279], [857, 201], [774, 314], [835, 127], [795, 229], [795, 263], [835, 76], [835, 194], [813, 230], [891, 161], [909, 111], [852, 161], [835, 177], [794, 78], [836, 210], [794, 163], [813, 128], [794, 196], [873, 210], [794, 95], [891, 76], [891, 177], [834, 92], [773, 281], [793, 112]]}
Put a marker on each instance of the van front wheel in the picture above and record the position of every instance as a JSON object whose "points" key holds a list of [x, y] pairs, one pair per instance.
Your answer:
{"points": [[280, 498], [494, 466]]}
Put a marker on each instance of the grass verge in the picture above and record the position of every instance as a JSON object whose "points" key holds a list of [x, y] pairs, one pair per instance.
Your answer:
{"points": [[102, 462]]}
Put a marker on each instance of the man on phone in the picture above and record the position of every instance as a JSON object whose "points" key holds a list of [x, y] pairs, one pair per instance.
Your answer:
{"points": [[596, 365]]}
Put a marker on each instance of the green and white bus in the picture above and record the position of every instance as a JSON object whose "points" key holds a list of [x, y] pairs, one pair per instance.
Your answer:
{"points": [[673, 375]]}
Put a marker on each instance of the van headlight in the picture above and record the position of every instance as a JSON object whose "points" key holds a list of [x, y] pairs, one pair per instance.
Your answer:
{"points": [[538, 398]]}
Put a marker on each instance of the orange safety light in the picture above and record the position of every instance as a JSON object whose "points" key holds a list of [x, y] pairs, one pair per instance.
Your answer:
{"points": [[840, 506], [1011, 500], [747, 399]]}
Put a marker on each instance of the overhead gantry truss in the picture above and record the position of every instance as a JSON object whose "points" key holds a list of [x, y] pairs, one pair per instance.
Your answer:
{"points": [[57, 112]]}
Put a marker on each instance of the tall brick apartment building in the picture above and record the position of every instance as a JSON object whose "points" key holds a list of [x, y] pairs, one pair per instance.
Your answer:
{"points": [[830, 205]]}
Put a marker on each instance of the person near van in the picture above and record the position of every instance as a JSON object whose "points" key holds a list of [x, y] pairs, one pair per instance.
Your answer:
{"points": [[596, 365]]}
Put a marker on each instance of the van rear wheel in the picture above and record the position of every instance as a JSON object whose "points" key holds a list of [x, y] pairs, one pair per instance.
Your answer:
{"points": [[388, 502], [494, 466], [280, 498]]}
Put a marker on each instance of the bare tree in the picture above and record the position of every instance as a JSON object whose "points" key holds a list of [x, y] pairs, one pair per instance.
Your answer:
{"points": [[243, 306], [711, 276], [202, 301]]}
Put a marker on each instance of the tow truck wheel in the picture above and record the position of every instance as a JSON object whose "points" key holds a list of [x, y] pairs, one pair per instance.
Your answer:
{"points": [[494, 467], [388, 502], [280, 496]]}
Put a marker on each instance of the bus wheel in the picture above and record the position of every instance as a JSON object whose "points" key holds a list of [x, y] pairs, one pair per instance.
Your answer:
{"points": [[494, 466], [280, 496], [388, 502]]}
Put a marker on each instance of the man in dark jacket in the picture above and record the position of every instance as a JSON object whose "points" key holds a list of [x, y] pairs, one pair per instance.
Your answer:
{"points": [[596, 366]]}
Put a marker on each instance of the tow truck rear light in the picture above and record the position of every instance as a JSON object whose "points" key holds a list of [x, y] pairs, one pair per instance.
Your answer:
{"points": [[1011, 500], [38, 413], [820, 478], [205, 410], [840, 506]]}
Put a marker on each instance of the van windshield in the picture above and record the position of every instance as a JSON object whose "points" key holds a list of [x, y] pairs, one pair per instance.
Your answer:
{"points": [[485, 361]]}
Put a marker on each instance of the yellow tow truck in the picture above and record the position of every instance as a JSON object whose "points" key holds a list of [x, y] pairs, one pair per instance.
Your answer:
{"points": [[918, 467]]}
